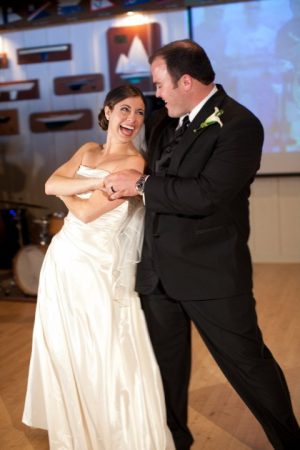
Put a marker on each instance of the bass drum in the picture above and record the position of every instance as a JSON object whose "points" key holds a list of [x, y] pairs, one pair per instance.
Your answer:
{"points": [[56, 221], [27, 266]]}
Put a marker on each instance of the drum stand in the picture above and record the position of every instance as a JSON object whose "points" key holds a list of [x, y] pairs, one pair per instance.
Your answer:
{"points": [[12, 284], [8, 285]]}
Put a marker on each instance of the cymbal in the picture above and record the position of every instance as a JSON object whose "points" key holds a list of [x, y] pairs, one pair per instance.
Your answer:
{"points": [[22, 204]]}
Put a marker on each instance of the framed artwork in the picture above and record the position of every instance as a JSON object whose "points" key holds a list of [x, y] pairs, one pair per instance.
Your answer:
{"points": [[78, 84], [67, 120], [9, 122], [129, 48], [19, 90]]}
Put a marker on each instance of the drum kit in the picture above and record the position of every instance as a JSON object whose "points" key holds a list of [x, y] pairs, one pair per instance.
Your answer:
{"points": [[23, 244]]}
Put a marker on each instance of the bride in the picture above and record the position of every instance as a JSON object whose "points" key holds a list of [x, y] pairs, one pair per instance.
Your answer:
{"points": [[93, 380]]}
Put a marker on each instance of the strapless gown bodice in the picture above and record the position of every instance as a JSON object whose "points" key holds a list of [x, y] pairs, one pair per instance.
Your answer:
{"points": [[110, 222]]}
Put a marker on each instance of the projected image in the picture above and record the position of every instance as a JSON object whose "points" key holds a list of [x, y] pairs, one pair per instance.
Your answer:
{"points": [[255, 51]]}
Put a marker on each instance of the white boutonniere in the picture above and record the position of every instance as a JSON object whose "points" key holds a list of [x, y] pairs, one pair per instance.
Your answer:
{"points": [[213, 118]]}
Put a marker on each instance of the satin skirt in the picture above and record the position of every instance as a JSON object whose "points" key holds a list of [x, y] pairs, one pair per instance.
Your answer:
{"points": [[93, 382]]}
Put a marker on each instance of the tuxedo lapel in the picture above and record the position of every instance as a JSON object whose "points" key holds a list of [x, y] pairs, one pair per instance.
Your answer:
{"points": [[163, 134], [193, 132]]}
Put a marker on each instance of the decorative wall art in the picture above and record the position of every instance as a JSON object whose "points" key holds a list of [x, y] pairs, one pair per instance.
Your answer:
{"points": [[37, 12], [3, 61], [68, 120], [47, 53], [9, 122], [19, 90], [34, 13], [78, 84], [129, 49], [100, 5]]}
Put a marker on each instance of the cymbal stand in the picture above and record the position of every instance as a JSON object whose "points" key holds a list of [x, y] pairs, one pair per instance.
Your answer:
{"points": [[43, 235], [17, 219]]}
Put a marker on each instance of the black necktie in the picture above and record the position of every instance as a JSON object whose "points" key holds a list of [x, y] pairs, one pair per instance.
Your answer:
{"points": [[162, 164], [179, 132]]}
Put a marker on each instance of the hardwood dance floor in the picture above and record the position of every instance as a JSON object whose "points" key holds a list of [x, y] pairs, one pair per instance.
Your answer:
{"points": [[218, 418]]}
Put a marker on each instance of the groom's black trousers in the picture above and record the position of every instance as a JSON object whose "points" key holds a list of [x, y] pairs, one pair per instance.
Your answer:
{"points": [[230, 331]]}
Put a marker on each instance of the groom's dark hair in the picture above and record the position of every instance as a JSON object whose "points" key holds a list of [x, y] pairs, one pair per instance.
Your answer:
{"points": [[185, 57]]}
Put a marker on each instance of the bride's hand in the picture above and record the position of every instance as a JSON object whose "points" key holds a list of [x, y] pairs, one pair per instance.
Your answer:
{"points": [[100, 186], [121, 184]]}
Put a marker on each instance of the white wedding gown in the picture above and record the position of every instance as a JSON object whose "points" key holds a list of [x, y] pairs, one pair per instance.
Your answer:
{"points": [[93, 380]]}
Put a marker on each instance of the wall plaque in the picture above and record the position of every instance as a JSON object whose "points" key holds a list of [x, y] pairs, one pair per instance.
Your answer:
{"points": [[78, 84], [46, 53], [3, 61], [9, 123], [68, 120], [19, 90]]}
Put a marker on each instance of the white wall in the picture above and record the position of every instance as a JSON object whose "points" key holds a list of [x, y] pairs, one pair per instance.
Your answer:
{"points": [[275, 219], [28, 159]]}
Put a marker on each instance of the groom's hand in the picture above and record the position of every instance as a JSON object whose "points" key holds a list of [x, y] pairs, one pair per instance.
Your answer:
{"points": [[121, 184]]}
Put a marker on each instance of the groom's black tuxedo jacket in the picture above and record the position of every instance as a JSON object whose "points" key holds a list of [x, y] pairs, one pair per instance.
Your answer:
{"points": [[197, 214]]}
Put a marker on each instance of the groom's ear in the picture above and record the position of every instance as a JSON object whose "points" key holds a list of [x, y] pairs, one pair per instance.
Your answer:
{"points": [[186, 82]]}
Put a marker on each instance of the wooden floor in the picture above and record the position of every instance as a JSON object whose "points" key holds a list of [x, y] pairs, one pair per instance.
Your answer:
{"points": [[218, 418]]}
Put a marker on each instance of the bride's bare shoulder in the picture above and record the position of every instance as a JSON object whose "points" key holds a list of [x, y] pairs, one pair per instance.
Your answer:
{"points": [[90, 153], [134, 160]]}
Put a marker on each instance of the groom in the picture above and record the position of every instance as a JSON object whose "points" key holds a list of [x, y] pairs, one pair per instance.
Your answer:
{"points": [[195, 263]]}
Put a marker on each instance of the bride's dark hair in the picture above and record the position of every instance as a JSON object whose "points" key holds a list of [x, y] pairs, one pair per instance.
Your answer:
{"points": [[115, 96]]}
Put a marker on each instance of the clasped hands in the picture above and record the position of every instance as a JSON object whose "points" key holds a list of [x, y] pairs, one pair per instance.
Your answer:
{"points": [[121, 184]]}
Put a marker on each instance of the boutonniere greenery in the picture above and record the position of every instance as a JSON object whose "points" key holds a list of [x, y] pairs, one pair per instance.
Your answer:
{"points": [[213, 118]]}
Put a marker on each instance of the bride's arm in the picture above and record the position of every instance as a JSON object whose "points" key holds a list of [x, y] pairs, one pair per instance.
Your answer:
{"points": [[98, 203], [91, 208], [63, 181]]}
